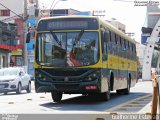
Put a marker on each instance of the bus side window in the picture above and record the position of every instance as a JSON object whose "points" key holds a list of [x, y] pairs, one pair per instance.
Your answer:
{"points": [[125, 44], [113, 37], [106, 39], [118, 45], [106, 36], [128, 50], [110, 38], [109, 43], [123, 48], [122, 44], [120, 41], [134, 51], [112, 43], [116, 37]]}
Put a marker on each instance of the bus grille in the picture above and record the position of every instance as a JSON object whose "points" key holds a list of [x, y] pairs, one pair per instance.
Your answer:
{"points": [[67, 86], [66, 73]]}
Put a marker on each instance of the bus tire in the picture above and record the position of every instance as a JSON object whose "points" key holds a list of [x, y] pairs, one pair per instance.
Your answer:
{"points": [[56, 97], [106, 96], [127, 90], [119, 92]]}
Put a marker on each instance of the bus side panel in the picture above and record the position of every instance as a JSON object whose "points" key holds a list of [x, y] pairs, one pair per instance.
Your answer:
{"points": [[114, 82], [133, 78], [105, 77]]}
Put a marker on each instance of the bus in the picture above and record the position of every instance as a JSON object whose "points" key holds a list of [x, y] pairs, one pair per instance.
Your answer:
{"points": [[83, 55]]}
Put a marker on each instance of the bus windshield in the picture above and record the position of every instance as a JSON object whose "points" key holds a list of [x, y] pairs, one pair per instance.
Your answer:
{"points": [[60, 49]]}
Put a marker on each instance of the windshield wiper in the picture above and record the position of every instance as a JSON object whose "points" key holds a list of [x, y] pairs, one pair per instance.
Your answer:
{"points": [[77, 38], [56, 38]]}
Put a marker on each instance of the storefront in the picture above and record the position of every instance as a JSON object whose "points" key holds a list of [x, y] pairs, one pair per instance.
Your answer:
{"points": [[4, 58]]}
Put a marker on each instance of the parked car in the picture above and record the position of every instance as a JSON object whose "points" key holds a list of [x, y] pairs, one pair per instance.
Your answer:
{"points": [[14, 79]]}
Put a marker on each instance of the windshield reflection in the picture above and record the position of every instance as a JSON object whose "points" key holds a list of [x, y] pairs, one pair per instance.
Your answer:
{"points": [[67, 49]]}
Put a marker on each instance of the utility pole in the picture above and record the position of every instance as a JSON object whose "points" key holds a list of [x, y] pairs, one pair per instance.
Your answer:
{"points": [[25, 30]]}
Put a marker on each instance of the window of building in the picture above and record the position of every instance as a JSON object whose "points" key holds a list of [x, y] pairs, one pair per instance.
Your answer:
{"points": [[4, 12]]}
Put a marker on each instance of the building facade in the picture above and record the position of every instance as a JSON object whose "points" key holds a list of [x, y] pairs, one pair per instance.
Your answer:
{"points": [[120, 26], [8, 43], [8, 8], [57, 12]]}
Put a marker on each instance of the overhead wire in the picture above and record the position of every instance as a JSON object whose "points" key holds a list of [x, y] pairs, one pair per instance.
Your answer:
{"points": [[22, 18], [11, 11], [52, 4]]}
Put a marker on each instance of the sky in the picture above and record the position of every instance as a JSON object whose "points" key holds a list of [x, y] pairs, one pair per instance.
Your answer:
{"points": [[134, 17]]}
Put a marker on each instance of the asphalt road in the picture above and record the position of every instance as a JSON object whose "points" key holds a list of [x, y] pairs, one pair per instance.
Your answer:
{"points": [[36, 103]]}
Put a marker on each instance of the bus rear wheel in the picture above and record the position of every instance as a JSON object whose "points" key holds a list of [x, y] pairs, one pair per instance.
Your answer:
{"points": [[125, 91], [56, 97]]}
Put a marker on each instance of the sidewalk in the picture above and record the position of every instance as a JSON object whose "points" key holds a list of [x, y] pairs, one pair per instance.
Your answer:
{"points": [[32, 85]]}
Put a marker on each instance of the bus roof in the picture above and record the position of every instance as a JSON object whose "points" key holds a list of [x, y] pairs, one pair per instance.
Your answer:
{"points": [[113, 28], [105, 23]]}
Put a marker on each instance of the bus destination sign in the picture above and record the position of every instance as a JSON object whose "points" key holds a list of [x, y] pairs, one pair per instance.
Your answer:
{"points": [[68, 24]]}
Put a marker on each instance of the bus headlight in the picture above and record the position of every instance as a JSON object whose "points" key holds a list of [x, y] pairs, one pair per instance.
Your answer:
{"points": [[43, 77], [91, 77]]}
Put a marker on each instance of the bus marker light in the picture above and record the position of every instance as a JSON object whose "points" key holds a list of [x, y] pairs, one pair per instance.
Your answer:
{"points": [[91, 87]]}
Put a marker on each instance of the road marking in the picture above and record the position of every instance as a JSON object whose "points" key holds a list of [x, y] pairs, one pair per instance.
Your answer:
{"points": [[29, 99], [42, 97], [129, 106], [10, 102]]}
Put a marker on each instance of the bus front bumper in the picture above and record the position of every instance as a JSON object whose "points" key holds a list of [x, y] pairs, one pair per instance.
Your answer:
{"points": [[68, 87]]}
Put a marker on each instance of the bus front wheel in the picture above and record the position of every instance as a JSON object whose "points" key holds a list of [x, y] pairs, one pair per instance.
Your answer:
{"points": [[106, 95], [56, 96]]}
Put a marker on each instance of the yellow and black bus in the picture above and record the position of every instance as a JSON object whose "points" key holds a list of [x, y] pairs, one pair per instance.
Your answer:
{"points": [[83, 55]]}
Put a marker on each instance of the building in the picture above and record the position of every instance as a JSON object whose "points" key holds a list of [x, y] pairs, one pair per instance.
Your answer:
{"points": [[8, 43], [140, 48], [8, 8], [58, 12], [63, 12], [120, 26], [12, 11]]}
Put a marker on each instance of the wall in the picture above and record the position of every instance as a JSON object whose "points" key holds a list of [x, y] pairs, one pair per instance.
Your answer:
{"points": [[12, 4]]}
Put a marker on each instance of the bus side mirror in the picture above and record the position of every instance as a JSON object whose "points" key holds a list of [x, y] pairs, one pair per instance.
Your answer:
{"points": [[28, 37]]}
